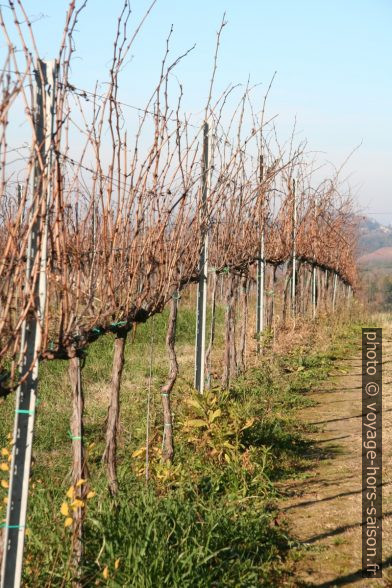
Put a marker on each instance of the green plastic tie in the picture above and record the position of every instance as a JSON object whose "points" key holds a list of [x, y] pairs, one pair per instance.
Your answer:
{"points": [[164, 394], [167, 424], [96, 330], [176, 296], [74, 437], [118, 324], [4, 526], [24, 411]]}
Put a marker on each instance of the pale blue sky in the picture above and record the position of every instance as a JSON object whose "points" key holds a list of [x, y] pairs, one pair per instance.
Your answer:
{"points": [[332, 57]]}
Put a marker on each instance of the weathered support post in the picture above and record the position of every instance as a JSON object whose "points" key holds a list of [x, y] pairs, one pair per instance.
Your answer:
{"points": [[201, 310], [314, 272], [15, 525], [314, 290], [335, 284], [260, 274], [326, 289], [294, 250]]}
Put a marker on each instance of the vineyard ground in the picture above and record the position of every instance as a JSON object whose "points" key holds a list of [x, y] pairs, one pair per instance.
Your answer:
{"points": [[324, 510], [214, 517]]}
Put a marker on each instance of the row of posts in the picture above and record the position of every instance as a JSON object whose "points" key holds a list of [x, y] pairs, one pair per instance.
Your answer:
{"points": [[201, 309]]}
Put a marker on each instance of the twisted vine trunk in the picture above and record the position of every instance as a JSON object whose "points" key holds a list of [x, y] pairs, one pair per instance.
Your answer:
{"points": [[79, 464], [168, 439], [308, 292], [212, 330], [229, 360], [110, 454], [233, 331], [286, 290], [271, 297], [244, 326], [320, 288]]}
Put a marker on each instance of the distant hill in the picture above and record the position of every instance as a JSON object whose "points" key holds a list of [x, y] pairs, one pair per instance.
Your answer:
{"points": [[375, 263], [374, 236], [381, 258]]}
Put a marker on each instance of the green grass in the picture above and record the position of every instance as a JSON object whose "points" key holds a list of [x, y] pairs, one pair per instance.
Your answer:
{"points": [[210, 519]]}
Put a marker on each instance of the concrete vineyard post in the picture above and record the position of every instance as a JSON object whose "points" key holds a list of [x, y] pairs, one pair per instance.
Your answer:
{"points": [[201, 310], [294, 250], [15, 526]]}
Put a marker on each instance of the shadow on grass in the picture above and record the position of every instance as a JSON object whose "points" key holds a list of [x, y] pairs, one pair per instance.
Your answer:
{"points": [[286, 445]]}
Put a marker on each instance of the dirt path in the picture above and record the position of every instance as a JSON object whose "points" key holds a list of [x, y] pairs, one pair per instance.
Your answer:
{"points": [[324, 510]]}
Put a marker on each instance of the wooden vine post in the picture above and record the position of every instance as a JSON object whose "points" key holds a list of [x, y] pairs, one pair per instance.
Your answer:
{"points": [[36, 283]]}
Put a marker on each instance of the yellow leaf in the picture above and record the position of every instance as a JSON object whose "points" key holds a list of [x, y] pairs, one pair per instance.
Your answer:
{"points": [[214, 415], [193, 402], [68, 522], [91, 494], [70, 492], [4, 484], [248, 424], [105, 573], [80, 483], [117, 564], [4, 467], [227, 458], [5, 500], [64, 509], [77, 503], [195, 423], [228, 445], [9, 436], [4, 452], [139, 452]]}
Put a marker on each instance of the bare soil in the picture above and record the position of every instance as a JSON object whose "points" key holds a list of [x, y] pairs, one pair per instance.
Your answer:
{"points": [[324, 509]]}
